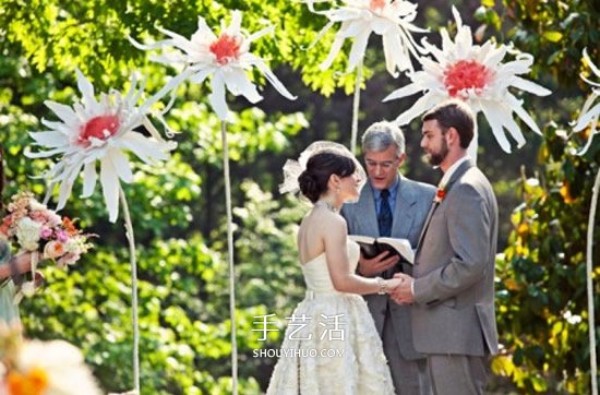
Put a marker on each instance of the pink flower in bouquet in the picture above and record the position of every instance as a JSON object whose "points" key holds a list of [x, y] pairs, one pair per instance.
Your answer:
{"points": [[45, 233], [34, 228]]}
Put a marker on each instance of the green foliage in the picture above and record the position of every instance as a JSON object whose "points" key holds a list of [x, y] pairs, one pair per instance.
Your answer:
{"points": [[178, 208], [542, 301], [183, 290], [554, 31]]}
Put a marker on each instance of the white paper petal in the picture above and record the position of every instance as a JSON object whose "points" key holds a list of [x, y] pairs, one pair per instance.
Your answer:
{"points": [[517, 107], [51, 139], [147, 150], [406, 90], [86, 89], [65, 113], [357, 53], [272, 78], [586, 118], [121, 165], [43, 154], [529, 86], [426, 102], [66, 185], [338, 42], [217, 97], [172, 84], [89, 179], [494, 115], [110, 188]]}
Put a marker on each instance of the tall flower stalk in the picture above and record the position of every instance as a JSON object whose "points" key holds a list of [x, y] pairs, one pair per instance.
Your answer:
{"points": [[588, 119], [226, 58], [100, 131]]}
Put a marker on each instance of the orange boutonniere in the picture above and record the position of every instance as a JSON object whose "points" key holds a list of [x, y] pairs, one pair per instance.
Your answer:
{"points": [[440, 194]]}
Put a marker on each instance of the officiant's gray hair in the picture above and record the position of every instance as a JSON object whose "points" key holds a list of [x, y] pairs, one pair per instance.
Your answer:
{"points": [[381, 135]]}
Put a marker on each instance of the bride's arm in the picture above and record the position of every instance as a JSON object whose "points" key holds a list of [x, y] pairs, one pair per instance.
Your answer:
{"points": [[335, 234]]}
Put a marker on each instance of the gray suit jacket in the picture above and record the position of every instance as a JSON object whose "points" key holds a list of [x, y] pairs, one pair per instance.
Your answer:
{"points": [[412, 205], [454, 270]]}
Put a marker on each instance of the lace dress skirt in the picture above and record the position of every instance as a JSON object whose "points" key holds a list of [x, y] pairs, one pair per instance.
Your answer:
{"points": [[331, 347]]}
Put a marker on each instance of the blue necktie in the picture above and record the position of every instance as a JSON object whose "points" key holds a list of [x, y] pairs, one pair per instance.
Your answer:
{"points": [[384, 220]]}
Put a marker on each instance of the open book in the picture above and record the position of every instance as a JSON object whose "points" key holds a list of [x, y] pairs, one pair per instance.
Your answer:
{"points": [[371, 246]]}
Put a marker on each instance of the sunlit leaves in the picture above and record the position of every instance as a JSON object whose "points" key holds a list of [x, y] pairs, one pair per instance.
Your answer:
{"points": [[542, 276]]}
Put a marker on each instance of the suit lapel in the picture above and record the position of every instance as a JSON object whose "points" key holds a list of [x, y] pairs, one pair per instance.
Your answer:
{"points": [[366, 206], [403, 214], [460, 171]]}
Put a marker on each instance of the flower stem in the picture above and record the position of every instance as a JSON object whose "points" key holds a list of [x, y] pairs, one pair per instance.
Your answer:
{"points": [[234, 367], [590, 289], [134, 290], [355, 107]]}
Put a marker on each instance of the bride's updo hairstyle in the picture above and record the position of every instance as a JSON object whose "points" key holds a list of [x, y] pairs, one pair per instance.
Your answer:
{"points": [[313, 181]]}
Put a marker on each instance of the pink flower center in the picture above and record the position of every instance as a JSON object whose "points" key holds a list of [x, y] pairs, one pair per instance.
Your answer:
{"points": [[226, 48], [100, 128], [377, 4], [466, 74]]}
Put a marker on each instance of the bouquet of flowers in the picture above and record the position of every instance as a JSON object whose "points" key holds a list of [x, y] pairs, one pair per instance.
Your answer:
{"points": [[32, 227]]}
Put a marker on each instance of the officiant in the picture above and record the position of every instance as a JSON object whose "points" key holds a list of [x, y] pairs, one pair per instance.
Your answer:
{"points": [[391, 205]]}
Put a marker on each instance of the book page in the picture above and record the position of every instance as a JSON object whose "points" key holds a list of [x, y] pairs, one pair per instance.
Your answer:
{"points": [[401, 245]]}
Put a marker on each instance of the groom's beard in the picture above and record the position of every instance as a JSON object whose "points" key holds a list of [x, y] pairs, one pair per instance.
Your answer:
{"points": [[436, 158]]}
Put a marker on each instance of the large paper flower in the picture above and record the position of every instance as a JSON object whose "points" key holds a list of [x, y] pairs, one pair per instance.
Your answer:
{"points": [[54, 367], [589, 115], [388, 18], [98, 130], [31, 367], [476, 75], [226, 57]]}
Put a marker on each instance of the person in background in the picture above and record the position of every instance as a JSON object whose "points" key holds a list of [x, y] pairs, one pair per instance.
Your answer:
{"points": [[391, 205]]}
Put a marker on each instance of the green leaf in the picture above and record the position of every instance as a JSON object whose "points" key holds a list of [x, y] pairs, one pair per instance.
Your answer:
{"points": [[553, 36]]}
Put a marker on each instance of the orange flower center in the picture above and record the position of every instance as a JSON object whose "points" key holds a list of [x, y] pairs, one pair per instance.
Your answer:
{"points": [[101, 128], [69, 226], [34, 382], [466, 74], [226, 48], [377, 4]]}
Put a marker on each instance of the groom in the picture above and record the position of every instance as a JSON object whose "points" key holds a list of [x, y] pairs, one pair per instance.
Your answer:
{"points": [[452, 293], [391, 206]]}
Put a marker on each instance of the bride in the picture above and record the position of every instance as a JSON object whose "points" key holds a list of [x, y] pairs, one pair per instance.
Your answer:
{"points": [[331, 337]]}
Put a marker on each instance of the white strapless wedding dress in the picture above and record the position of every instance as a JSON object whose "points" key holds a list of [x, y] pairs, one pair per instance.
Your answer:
{"points": [[331, 346]]}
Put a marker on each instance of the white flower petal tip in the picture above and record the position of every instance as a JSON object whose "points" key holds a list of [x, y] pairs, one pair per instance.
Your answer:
{"points": [[98, 130], [590, 112], [393, 20], [226, 57], [476, 75]]}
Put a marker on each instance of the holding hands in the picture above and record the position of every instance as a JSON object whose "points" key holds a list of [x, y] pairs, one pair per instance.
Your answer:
{"points": [[402, 293]]}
